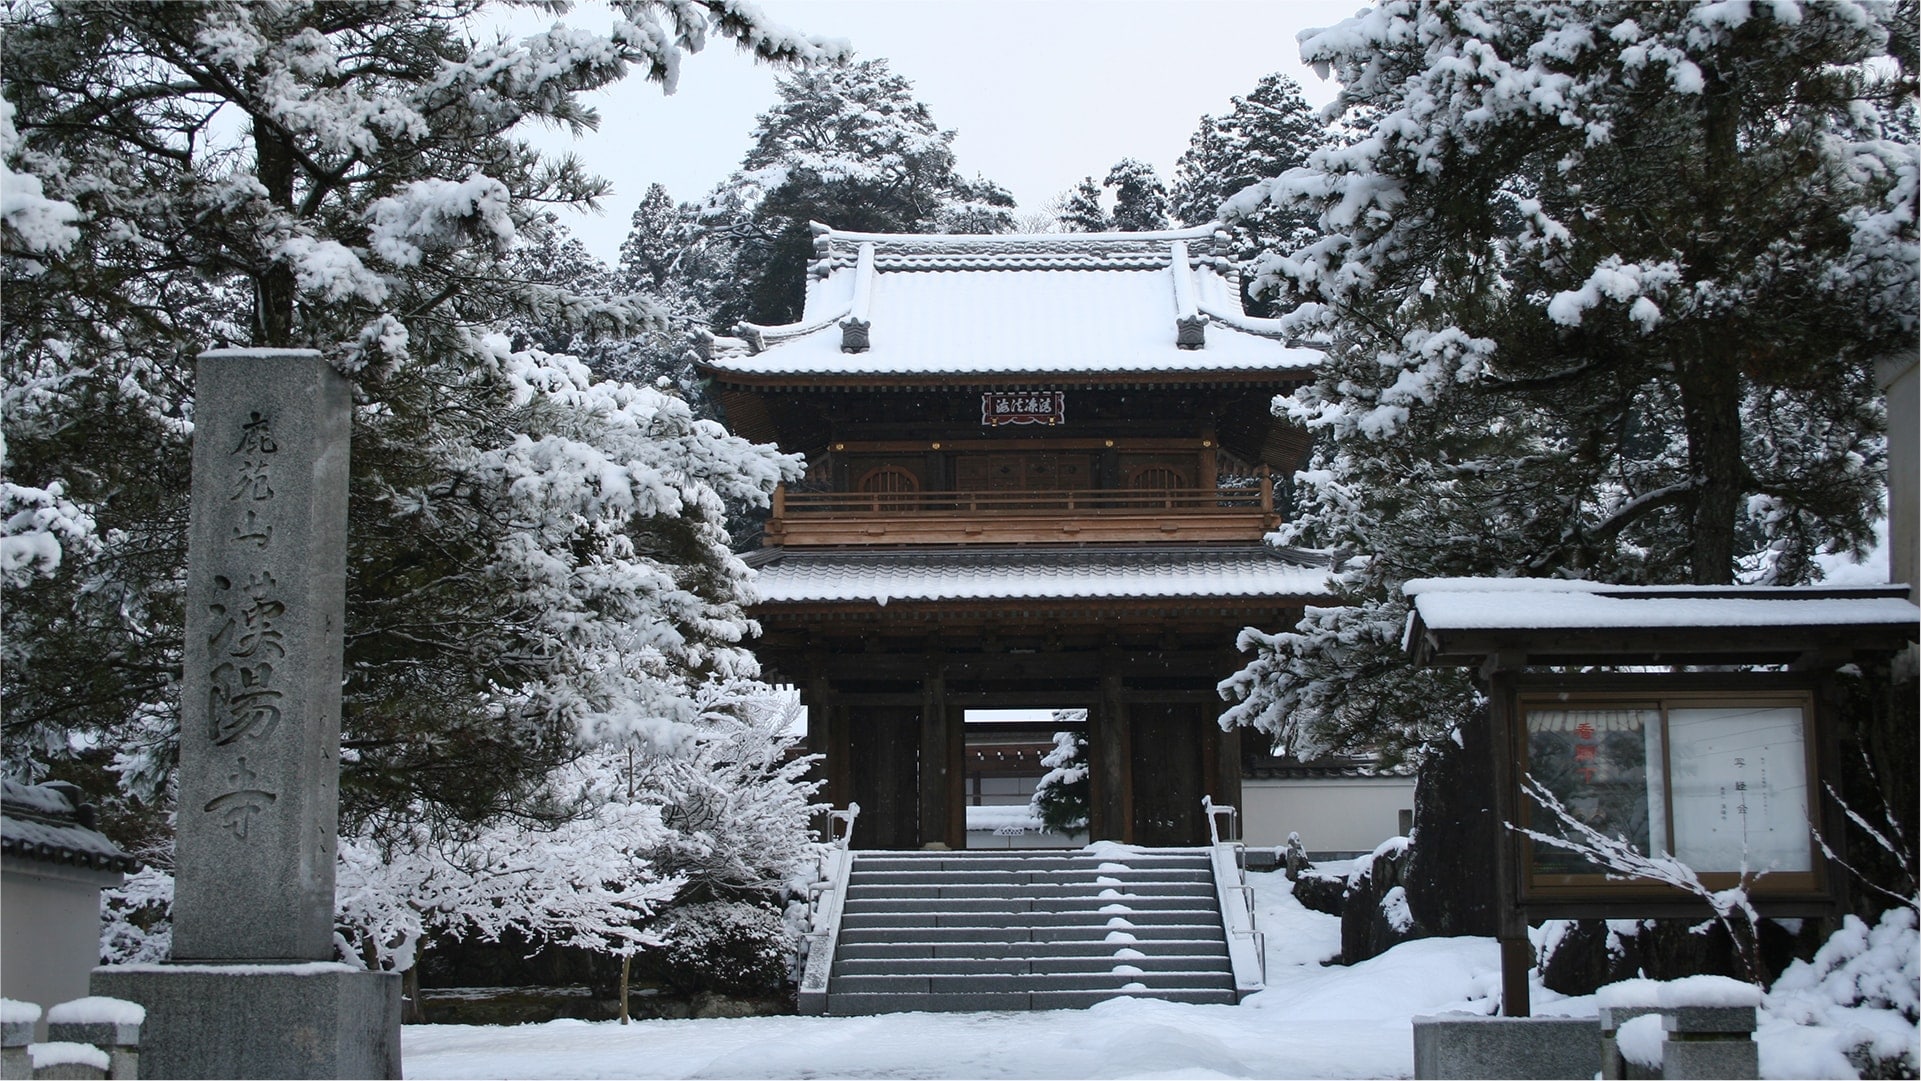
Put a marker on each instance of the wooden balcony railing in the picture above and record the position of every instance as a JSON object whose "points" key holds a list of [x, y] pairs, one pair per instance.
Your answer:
{"points": [[1021, 517]]}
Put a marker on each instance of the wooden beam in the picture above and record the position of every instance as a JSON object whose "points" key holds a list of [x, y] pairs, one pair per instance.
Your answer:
{"points": [[1517, 953]]}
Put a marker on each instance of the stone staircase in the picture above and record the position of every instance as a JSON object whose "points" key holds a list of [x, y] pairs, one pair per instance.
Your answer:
{"points": [[997, 931]]}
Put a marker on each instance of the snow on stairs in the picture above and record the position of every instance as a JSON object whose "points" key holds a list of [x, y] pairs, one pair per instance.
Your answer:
{"points": [[994, 931]]}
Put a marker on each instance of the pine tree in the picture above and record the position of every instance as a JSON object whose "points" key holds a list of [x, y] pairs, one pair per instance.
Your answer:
{"points": [[1601, 303], [1063, 798], [536, 557], [1081, 210], [1140, 199], [1264, 134], [847, 145]]}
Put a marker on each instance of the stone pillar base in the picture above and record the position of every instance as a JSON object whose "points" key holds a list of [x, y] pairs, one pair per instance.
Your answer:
{"points": [[1470, 1046], [319, 1019]]}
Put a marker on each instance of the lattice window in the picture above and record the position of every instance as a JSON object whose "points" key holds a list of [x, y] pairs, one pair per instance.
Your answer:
{"points": [[1158, 478], [892, 487]]}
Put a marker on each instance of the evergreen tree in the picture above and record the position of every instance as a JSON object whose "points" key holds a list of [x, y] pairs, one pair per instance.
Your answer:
{"points": [[664, 260], [1601, 302], [1081, 210], [1140, 199], [847, 145], [1064, 798], [536, 557], [1264, 134], [657, 237]]}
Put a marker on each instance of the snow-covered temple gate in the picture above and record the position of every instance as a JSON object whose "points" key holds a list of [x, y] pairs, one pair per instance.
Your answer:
{"points": [[1040, 473]]}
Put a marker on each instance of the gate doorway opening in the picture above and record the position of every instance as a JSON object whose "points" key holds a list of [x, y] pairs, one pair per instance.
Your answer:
{"points": [[1007, 754]]}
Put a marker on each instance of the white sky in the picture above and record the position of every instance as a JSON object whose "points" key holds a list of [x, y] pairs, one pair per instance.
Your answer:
{"points": [[1040, 92]]}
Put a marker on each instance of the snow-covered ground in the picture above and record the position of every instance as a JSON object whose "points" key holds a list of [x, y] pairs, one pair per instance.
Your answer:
{"points": [[1314, 1020]]}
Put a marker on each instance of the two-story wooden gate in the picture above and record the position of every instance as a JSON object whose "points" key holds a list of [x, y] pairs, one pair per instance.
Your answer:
{"points": [[1040, 472]]}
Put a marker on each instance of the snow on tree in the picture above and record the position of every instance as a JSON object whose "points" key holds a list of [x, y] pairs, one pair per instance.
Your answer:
{"points": [[537, 557], [590, 858], [1140, 199], [1063, 798], [736, 799], [1602, 286], [1081, 209], [1264, 133], [848, 145]]}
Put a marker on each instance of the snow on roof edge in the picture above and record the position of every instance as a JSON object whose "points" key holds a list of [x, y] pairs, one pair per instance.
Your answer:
{"points": [[1039, 240]]}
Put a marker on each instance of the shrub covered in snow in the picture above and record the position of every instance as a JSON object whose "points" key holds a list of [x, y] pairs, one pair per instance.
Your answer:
{"points": [[731, 947], [1858, 996], [136, 919]]}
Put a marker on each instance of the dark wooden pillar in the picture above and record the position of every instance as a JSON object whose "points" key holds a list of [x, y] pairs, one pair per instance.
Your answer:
{"points": [[827, 737], [1823, 731], [938, 768], [956, 777], [1110, 757], [1221, 761], [1510, 926]]}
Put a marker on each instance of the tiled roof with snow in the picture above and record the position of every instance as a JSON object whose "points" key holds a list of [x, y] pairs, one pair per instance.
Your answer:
{"points": [[1194, 573], [891, 305], [1541, 604], [47, 823], [1466, 620]]}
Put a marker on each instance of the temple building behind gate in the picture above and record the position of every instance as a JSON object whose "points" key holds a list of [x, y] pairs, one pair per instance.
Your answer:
{"points": [[1040, 471]]}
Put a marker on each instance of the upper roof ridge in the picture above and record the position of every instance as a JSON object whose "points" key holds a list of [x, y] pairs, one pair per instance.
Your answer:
{"points": [[1035, 240], [837, 250]]}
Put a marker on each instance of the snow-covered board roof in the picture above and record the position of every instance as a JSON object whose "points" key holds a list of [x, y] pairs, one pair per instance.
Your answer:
{"points": [[903, 306], [794, 576], [45, 823], [1460, 620]]}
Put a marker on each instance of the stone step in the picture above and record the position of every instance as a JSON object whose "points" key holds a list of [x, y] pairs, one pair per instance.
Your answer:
{"points": [[876, 930], [1088, 918], [1001, 950], [1030, 880], [958, 862], [1123, 905], [1005, 931], [1103, 964], [866, 1003], [969, 983], [947, 886]]}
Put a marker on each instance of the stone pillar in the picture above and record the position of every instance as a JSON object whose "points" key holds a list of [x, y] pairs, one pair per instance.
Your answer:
{"points": [[260, 695], [16, 1032], [1615, 1066], [110, 1025], [252, 989], [1709, 1041]]}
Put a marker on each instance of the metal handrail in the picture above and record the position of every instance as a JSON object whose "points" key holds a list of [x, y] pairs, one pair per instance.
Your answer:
{"points": [[1214, 812], [826, 895]]}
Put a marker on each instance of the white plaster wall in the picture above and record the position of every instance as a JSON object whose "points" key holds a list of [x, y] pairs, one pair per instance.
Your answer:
{"points": [[49, 936], [1346, 814]]}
